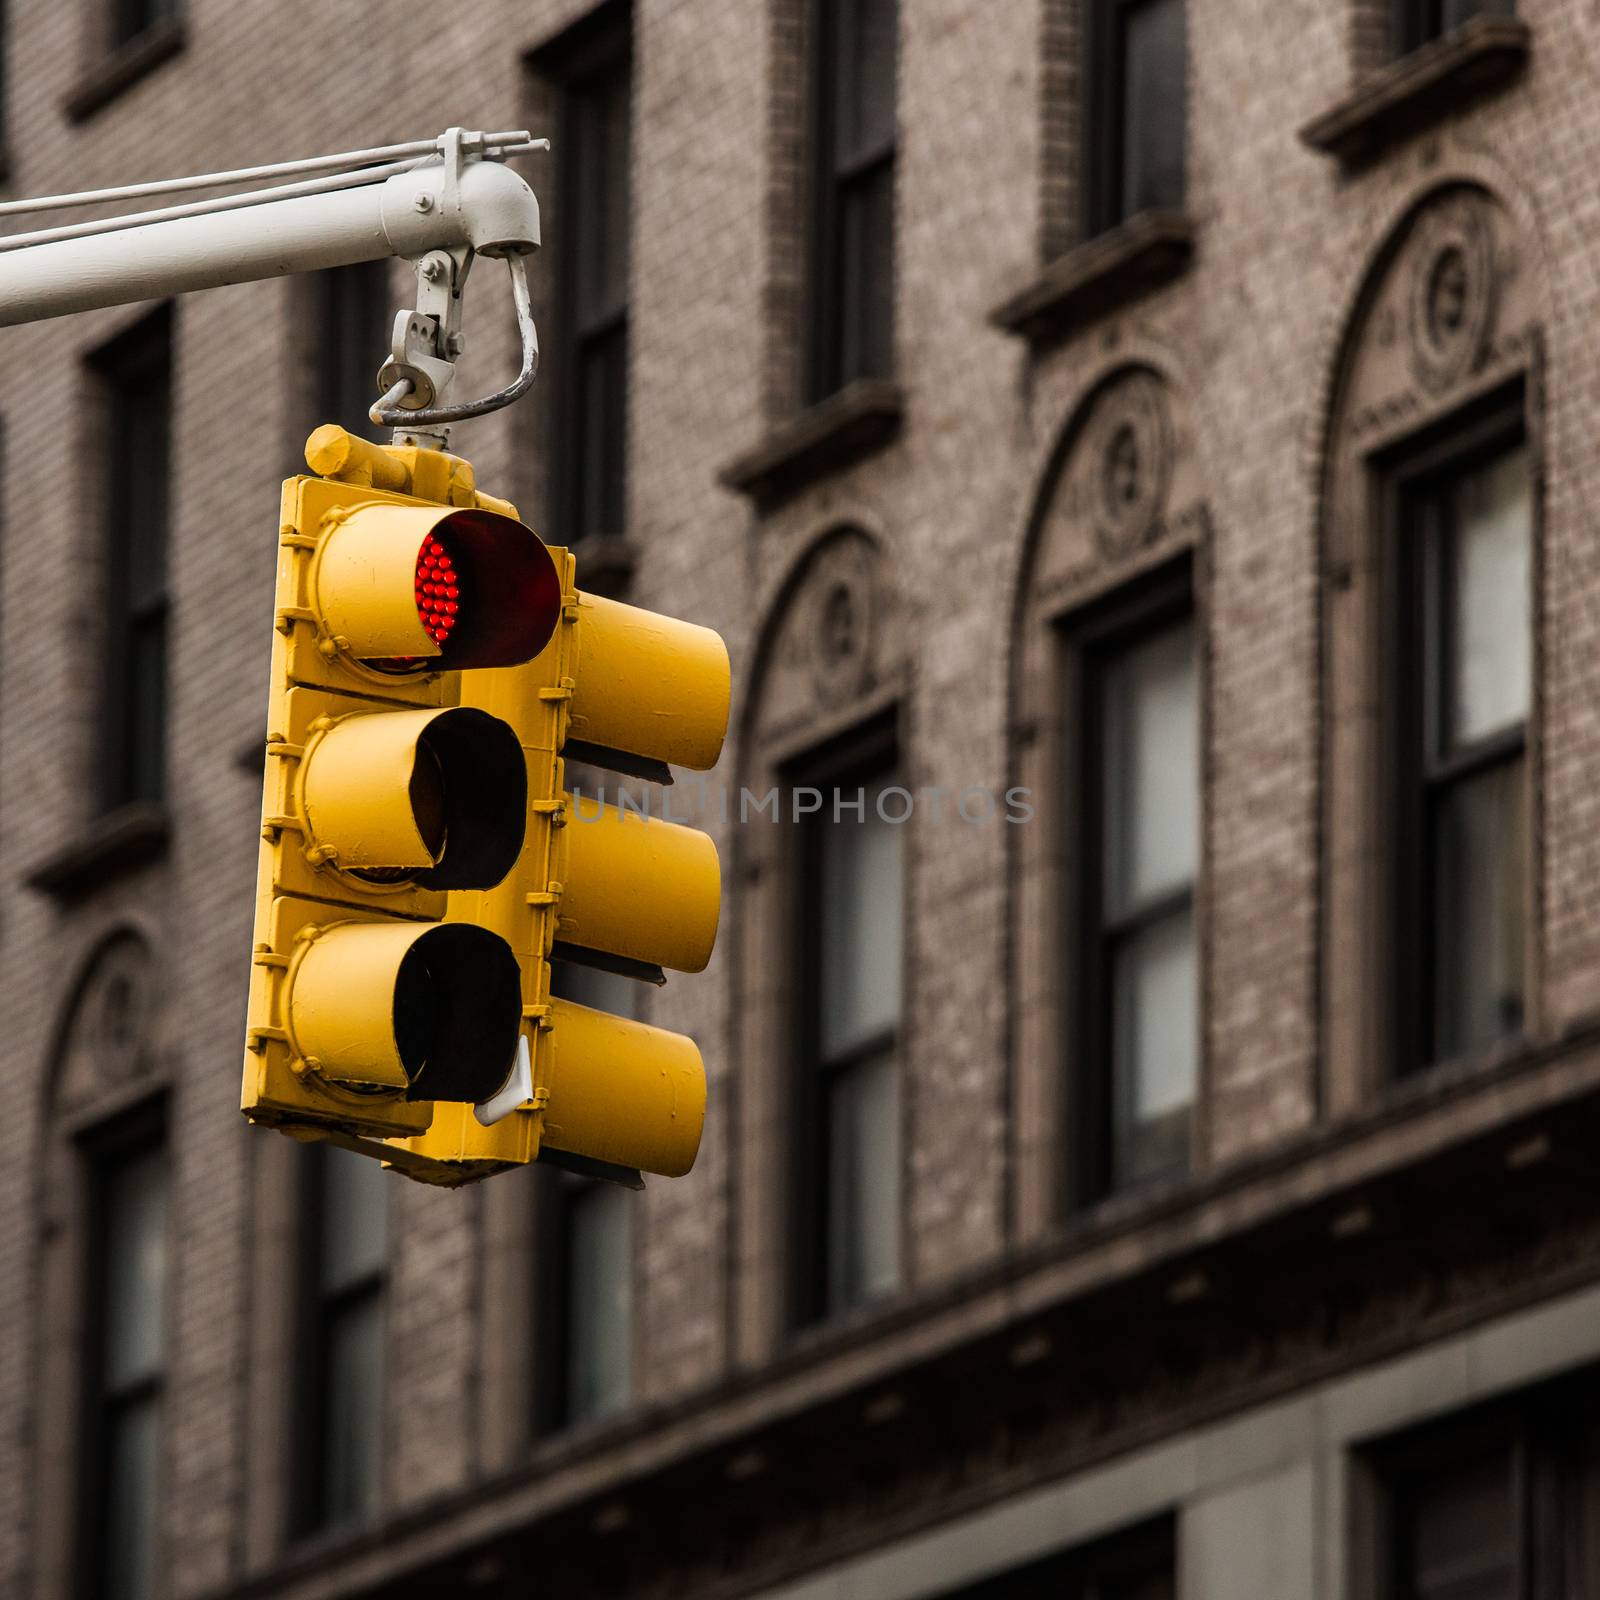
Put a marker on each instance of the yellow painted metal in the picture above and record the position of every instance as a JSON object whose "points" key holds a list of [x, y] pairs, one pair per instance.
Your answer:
{"points": [[353, 771], [621, 1091], [636, 886], [364, 581], [339, 1004], [649, 685], [281, 1088], [341, 795]]}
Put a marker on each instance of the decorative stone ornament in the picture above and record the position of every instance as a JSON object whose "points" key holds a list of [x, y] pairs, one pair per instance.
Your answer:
{"points": [[843, 621], [1130, 449], [1452, 290], [107, 1033]]}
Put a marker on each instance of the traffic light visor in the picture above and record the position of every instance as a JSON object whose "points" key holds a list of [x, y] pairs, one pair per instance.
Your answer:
{"points": [[649, 686], [433, 797], [431, 1009], [410, 588], [623, 1092]]}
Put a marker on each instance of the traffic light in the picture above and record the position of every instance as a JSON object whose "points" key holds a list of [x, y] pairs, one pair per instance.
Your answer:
{"points": [[599, 885], [386, 790]]}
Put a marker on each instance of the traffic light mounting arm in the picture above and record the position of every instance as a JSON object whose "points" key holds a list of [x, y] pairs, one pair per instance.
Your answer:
{"points": [[437, 206]]}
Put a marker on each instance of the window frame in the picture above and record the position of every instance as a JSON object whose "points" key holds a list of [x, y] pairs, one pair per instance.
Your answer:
{"points": [[826, 299], [596, 49], [1410, 776], [1105, 120], [141, 1130], [309, 1455], [1554, 1478], [1139, 612], [858, 757], [141, 356], [332, 378], [558, 1194], [1412, 24]]}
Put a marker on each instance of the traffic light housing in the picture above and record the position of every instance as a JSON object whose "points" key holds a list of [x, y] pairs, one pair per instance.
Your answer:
{"points": [[382, 794], [597, 884]]}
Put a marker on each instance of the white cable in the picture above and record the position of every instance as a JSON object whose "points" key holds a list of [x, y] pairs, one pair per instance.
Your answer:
{"points": [[279, 169]]}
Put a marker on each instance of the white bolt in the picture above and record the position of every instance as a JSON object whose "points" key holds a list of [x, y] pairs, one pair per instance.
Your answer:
{"points": [[423, 203]]}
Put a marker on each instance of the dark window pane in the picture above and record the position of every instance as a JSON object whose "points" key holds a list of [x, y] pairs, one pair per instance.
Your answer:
{"points": [[863, 864], [1151, 791], [353, 1219], [1480, 850], [346, 1233], [1149, 826], [1419, 21], [136, 372], [865, 107], [354, 325], [1155, 1047], [1153, 107], [867, 226], [599, 1300], [863, 1204], [132, 17], [353, 1400], [851, 312], [145, 708], [135, 1269], [133, 1463], [1456, 1533], [590, 475], [1487, 644], [599, 461], [600, 118]]}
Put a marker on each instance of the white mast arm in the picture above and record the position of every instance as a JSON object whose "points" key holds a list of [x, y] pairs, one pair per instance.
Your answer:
{"points": [[438, 213], [492, 210]]}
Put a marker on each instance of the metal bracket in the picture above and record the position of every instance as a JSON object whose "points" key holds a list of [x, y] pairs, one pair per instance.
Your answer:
{"points": [[415, 379], [408, 410]]}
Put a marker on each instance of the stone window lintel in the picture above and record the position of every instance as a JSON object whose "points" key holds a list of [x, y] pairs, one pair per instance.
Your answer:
{"points": [[1149, 249], [1420, 88], [824, 438]]}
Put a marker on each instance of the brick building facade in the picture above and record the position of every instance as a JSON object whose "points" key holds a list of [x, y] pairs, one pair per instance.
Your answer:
{"points": [[1140, 459]]}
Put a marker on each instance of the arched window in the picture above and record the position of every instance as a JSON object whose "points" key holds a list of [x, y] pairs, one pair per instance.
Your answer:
{"points": [[105, 1281], [1108, 878], [820, 951], [1431, 515]]}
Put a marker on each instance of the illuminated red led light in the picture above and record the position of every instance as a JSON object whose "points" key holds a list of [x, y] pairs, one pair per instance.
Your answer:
{"points": [[438, 590]]}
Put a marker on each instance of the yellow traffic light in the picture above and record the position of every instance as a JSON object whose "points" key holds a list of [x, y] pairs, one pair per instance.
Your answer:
{"points": [[381, 794], [624, 689]]}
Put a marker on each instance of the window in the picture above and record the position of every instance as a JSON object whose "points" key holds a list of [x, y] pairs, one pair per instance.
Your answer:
{"points": [[353, 324], [848, 1163], [1417, 22], [1142, 801], [1137, 106], [344, 1246], [1493, 1506], [852, 246], [136, 372], [592, 71], [126, 1350], [1138, 1564], [131, 18], [1464, 642], [585, 1230]]}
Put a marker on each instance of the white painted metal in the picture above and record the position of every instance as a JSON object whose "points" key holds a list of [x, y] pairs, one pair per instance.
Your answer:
{"points": [[480, 204], [497, 145]]}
